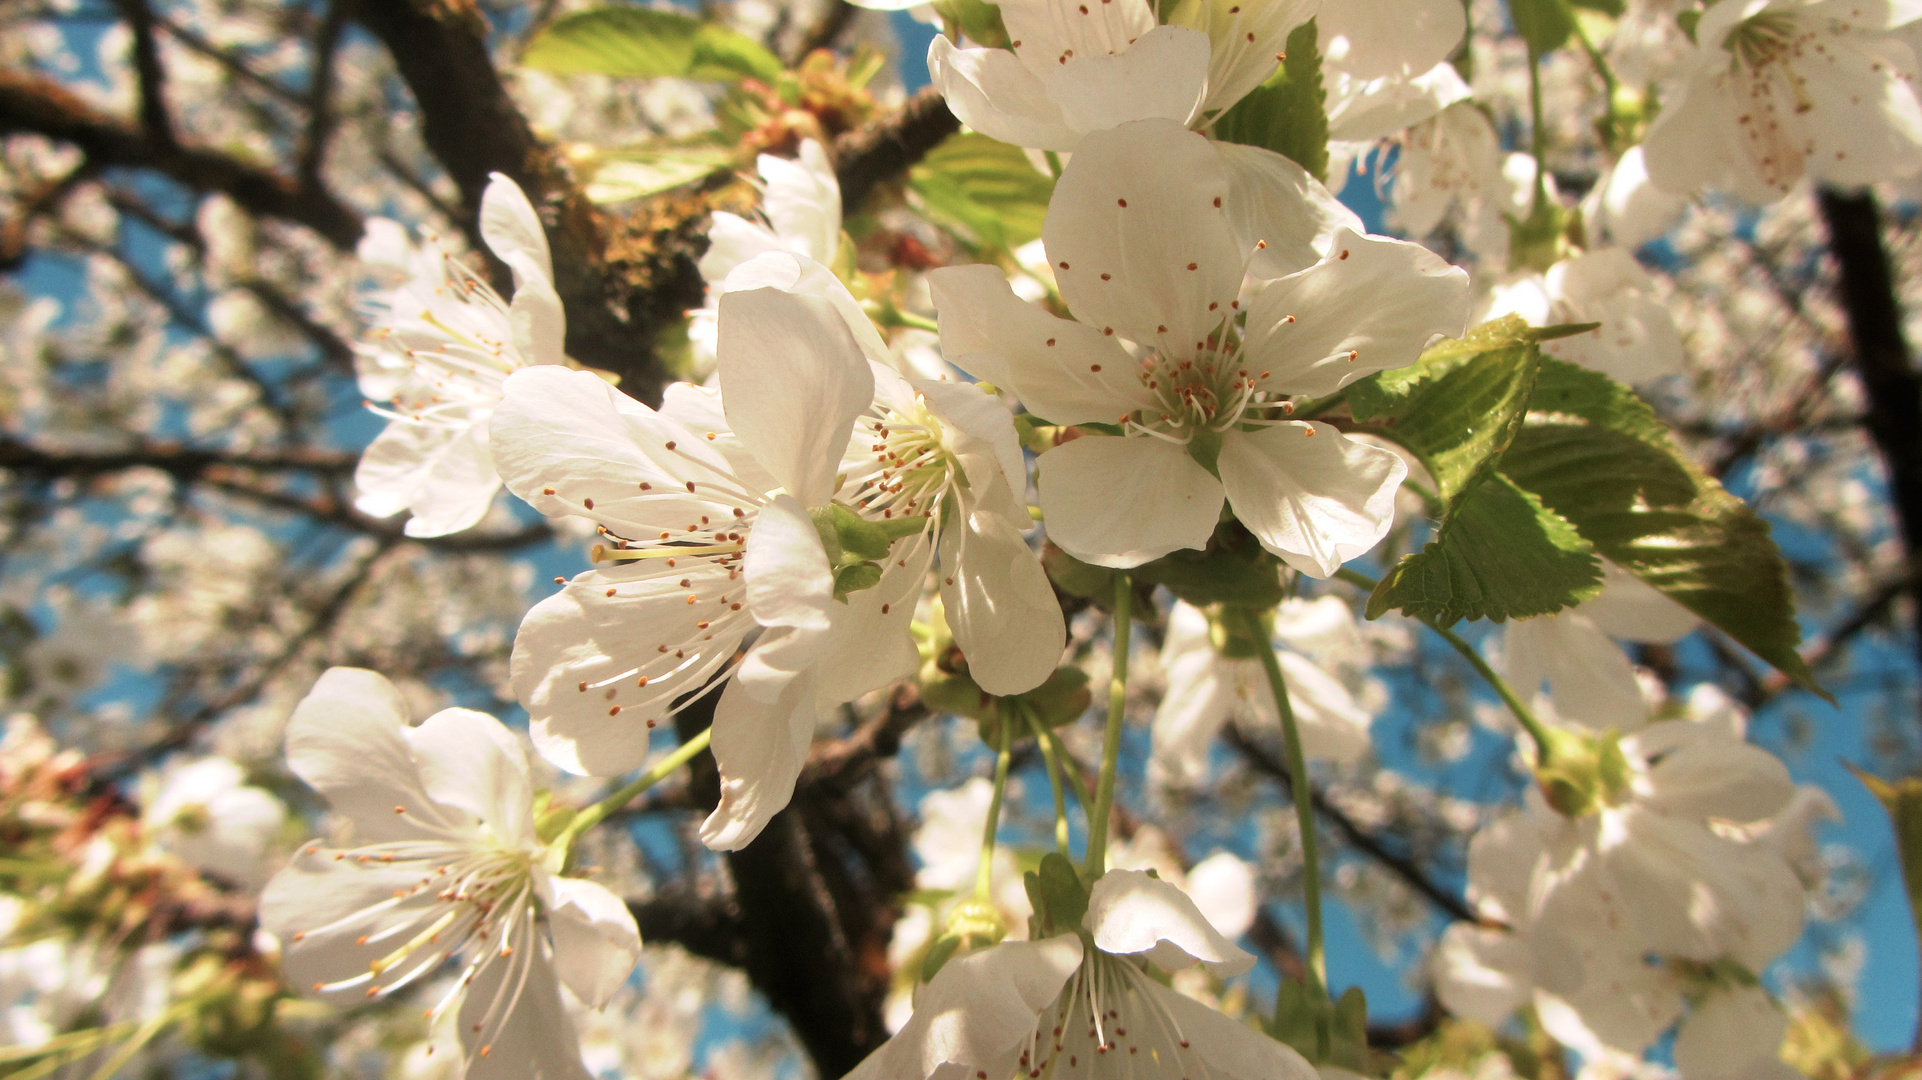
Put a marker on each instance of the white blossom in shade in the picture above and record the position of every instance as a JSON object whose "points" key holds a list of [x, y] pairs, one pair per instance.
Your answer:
{"points": [[1062, 1008], [800, 214], [1779, 90], [448, 867], [1733, 1033], [1206, 690], [1363, 112], [1637, 341], [1077, 68], [443, 344], [207, 814], [1627, 210], [716, 526], [1590, 681], [1146, 258], [1371, 39], [1452, 162], [1223, 888]]}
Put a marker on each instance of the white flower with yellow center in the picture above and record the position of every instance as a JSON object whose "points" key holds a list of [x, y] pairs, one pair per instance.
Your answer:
{"points": [[448, 868], [1191, 366], [444, 344]]}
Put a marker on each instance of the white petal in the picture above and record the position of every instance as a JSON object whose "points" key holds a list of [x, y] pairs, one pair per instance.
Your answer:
{"points": [[470, 760], [596, 941], [1370, 305], [1141, 204], [322, 909], [1699, 896], [1864, 124], [606, 457], [760, 747], [1130, 912], [1699, 774], [1364, 110], [872, 644], [1483, 974], [1633, 610], [792, 380], [536, 1041], [457, 485], [510, 226], [789, 580], [1197, 701], [977, 1013], [536, 317], [983, 437], [1638, 340], [1728, 1033], [1246, 42], [991, 91], [345, 740], [580, 655], [1629, 209], [1591, 681], [1372, 38], [1502, 862], [1223, 888], [1000, 604], [731, 241], [1623, 1005], [1047, 32], [802, 200], [1312, 496], [1274, 201], [1333, 726], [1229, 1048], [1063, 371], [1125, 501], [1163, 74], [798, 274]]}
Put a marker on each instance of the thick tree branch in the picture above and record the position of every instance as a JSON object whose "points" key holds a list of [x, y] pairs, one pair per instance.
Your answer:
{"points": [[33, 105], [154, 119], [1883, 362]]}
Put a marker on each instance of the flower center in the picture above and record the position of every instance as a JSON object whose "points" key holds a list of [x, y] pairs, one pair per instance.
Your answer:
{"points": [[1763, 39], [1206, 392], [912, 468]]}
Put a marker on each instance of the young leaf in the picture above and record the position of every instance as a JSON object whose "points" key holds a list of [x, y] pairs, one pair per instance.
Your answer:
{"points": [[641, 43], [1288, 113], [649, 170], [988, 189], [1501, 554], [1598, 456], [1544, 24]]}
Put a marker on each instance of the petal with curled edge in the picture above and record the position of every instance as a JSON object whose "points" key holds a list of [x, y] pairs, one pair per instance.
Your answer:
{"points": [[1139, 235], [1064, 371], [1130, 912], [1370, 305], [596, 941], [761, 739], [511, 227], [1122, 502], [1312, 496], [792, 381]]}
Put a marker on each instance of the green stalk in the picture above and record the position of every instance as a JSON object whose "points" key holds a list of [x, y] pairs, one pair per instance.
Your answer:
{"points": [[598, 813], [1537, 730], [1053, 761], [1097, 863], [984, 874], [1539, 136], [1070, 773], [1304, 800]]}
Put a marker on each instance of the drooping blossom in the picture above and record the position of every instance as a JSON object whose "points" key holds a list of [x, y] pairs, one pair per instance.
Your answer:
{"points": [[1146, 258], [446, 866], [1778, 90], [1637, 340], [443, 344], [1207, 688], [1066, 1009]]}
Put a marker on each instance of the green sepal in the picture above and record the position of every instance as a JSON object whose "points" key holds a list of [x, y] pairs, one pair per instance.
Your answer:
{"points": [[853, 579], [550, 821], [977, 20], [1325, 1033], [1059, 899], [1233, 569]]}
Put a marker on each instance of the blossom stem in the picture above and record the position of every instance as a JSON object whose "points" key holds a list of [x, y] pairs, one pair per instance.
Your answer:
{"points": [[1053, 761], [1304, 798], [984, 874], [1535, 728], [598, 813], [1097, 862], [1071, 771], [1538, 147]]}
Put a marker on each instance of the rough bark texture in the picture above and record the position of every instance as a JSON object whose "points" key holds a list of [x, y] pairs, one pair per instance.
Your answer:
{"points": [[1882, 360]]}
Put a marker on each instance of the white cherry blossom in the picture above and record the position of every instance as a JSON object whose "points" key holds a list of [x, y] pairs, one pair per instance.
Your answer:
{"points": [[1144, 250], [206, 813], [1207, 689], [1590, 681], [447, 867], [1776, 90], [1064, 1008], [443, 344], [1637, 341]]}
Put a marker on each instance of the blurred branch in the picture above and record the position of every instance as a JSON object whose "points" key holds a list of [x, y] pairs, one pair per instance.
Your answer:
{"points": [[33, 105], [320, 93], [153, 78], [1883, 361], [890, 146], [826, 30], [183, 463], [1403, 867]]}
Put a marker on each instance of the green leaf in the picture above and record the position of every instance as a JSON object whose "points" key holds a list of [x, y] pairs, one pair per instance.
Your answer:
{"points": [[1597, 455], [641, 43], [1612, 8], [1288, 113], [649, 170], [1501, 554], [1385, 392], [1544, 24], [1463, 410], [1903, 802], [986, 190]]}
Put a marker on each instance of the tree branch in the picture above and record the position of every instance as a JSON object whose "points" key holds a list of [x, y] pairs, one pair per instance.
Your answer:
{"points": [[889, 146], [33, 105], [154, 119]]}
